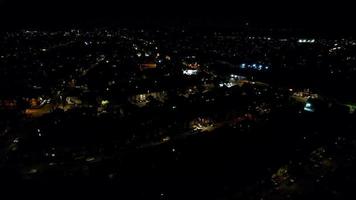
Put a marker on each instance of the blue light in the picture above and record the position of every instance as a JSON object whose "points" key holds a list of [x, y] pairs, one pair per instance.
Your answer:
{"points": [[308, 107]]}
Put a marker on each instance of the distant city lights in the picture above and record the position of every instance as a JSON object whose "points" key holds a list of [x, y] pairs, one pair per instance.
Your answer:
{"points": [[254, 66]]}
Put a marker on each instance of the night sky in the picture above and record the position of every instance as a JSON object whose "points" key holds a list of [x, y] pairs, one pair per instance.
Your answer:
{"points": [[296, 14]]}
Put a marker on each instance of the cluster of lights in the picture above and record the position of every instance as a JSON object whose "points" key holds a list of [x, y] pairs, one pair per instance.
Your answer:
{"points": [[234, 76], [228, 85], [202, 124], [334, 49], [306, 40], [237, 77], [258, 67], [260, 38]]}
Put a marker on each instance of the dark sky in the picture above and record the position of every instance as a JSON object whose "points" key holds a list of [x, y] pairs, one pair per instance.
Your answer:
{"points": [[300, 14]]}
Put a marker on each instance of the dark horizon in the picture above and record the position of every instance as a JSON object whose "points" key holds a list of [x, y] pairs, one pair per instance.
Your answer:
{"points": [[307, 17]]}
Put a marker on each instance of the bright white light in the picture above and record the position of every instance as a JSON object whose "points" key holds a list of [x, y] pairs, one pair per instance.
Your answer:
{"points": [[306, 41], [243, 65], [234, 76], [308, 107], [190, 72]]}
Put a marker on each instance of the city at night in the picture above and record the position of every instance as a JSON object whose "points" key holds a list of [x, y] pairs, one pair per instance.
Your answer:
{"points": [[157, 101]]}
